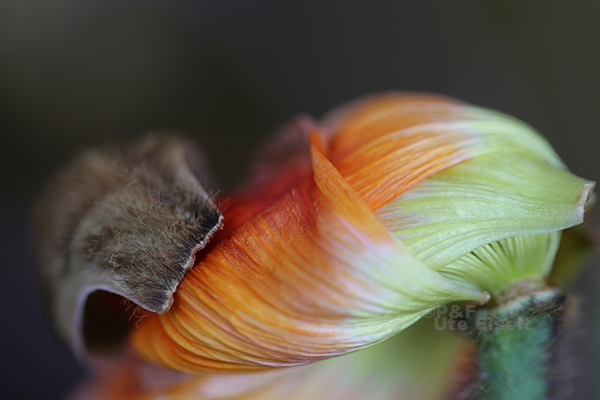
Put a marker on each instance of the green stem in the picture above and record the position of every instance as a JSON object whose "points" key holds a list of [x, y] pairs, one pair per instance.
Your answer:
{"points": [[514, 342]]}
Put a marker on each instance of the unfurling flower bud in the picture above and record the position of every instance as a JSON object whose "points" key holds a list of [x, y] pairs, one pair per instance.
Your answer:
{"points": [[407, 196], [347, 232]]}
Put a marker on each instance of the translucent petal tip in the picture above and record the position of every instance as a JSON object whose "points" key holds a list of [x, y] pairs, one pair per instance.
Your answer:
{"points": [[586, 196]]}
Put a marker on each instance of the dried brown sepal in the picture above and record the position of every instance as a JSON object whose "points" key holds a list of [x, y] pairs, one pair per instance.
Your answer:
{"points": [[124, 221]]}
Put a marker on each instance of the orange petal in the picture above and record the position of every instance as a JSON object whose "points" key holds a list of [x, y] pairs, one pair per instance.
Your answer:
{"points": [[369, 118], [385, 144], [314, 276]]}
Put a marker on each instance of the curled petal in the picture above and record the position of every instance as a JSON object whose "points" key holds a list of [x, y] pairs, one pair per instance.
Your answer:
{"points": [[375, 116], [483, 200], [314, 276], [386, 144]]}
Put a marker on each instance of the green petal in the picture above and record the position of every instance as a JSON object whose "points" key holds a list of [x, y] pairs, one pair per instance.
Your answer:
{"points": [[499, 264], [482, 200], [500, 133]]}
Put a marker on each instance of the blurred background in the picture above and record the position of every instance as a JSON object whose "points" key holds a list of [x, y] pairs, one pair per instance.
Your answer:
{"points": [[75, 73]]}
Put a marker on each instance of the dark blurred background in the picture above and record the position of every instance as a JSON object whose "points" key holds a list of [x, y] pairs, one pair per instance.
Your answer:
{"points": [[75, 73]]}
